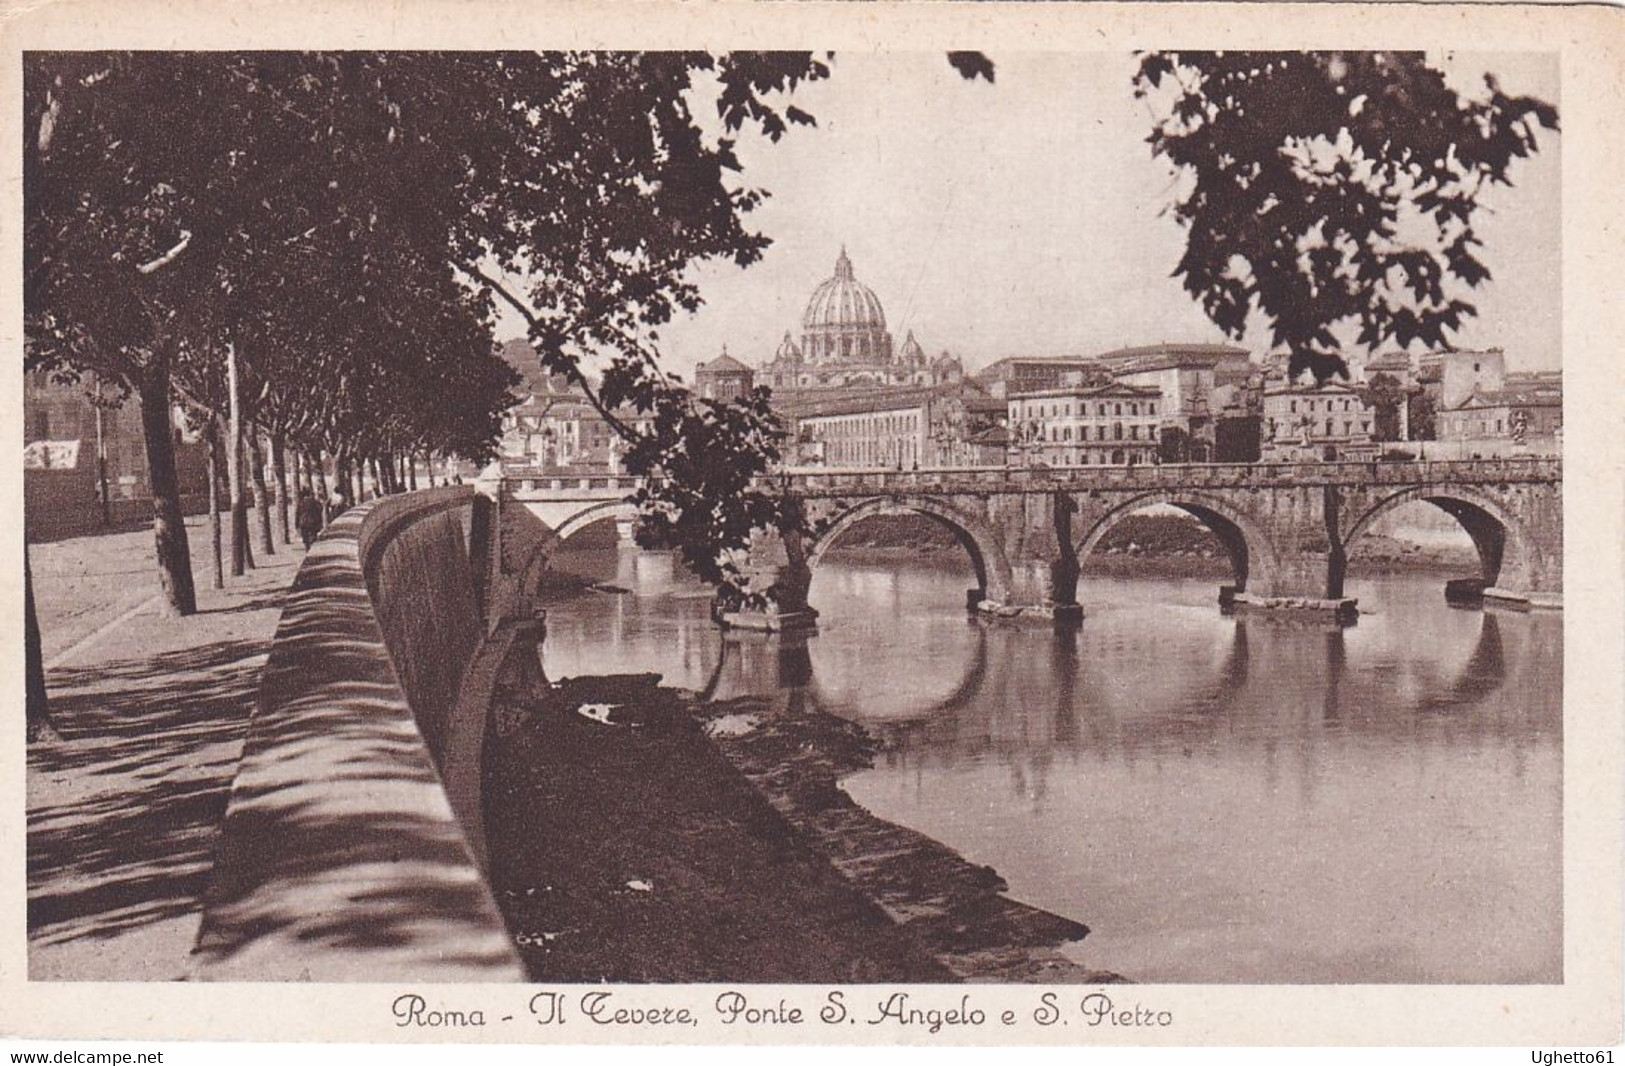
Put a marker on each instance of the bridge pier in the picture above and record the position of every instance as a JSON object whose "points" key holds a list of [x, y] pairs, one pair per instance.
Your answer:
{"points": [[1308, 582], [775, 568], [1039, 591], [1038, 578], [1297, 564]]}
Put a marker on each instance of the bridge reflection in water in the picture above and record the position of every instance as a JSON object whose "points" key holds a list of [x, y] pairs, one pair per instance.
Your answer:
{"points": [[1220, 799]]}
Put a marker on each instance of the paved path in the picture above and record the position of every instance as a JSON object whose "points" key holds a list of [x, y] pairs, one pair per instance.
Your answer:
{"points": [[122, 812]]}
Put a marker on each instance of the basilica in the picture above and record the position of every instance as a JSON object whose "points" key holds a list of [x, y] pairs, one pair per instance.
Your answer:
{"points": [[845, 345]]}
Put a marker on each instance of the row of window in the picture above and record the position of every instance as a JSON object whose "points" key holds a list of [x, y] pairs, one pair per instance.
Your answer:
{"points": [[1290, 428], [1292, 405], [868, 425], [1457, 426], [872, 452], [1064, 433], [1053, 410]]}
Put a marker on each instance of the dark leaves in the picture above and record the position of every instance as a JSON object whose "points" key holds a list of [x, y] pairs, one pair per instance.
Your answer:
{"points": [[1302, 171]]}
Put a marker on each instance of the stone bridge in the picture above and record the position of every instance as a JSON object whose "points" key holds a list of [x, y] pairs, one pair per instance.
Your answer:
{"points": [[1287, 527]]}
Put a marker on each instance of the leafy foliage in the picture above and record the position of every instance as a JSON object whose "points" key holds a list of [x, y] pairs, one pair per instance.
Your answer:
{"points": [[1385, 395], [347, 222], [1174, 446], [1329, 188]]}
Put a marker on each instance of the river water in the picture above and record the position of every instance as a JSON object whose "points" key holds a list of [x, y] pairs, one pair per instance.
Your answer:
{"points": [[1221, 799]]}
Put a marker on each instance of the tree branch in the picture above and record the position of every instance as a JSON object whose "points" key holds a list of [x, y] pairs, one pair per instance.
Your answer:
{"points": [[169, 256], [573, 371]]}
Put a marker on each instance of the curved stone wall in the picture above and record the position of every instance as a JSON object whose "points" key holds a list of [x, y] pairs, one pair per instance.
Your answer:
{"points": [[341, 857]]}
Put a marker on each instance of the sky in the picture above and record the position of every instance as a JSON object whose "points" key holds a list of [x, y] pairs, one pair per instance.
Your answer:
{"points": [[1028, 217]]}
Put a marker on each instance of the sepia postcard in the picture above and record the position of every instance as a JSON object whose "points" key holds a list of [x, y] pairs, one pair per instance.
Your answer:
{"points": [[814, 523]]}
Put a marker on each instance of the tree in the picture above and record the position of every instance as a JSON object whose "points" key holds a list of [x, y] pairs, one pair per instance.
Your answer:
{"points": [[40, 726], [650, 193], [146, 264], [1384, 394], [1330, 190], [1238, 440], [1422, 415], [347, 223], [1174, 445]]}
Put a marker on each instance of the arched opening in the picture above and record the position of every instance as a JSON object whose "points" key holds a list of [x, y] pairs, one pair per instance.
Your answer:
{"points": [[612, 607], [1431, 534], [900, 537], [917, 536], [1176, 538]]}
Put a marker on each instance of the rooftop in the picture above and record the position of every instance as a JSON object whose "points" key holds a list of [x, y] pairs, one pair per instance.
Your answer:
{"points": [[722, 364], [1114, 389], [864, 401], [1515, 394], [1165, 356]]}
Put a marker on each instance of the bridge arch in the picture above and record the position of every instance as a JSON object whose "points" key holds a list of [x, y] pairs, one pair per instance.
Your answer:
{"points": [[993, 573], [544, 542], [1253, 557], [1499, 537]]}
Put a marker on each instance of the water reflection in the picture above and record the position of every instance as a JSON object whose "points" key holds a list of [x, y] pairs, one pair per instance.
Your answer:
{"points": [[1219, 798]]}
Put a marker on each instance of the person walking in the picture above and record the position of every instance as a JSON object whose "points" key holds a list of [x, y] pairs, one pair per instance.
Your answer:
{"points": [[307, 515]]}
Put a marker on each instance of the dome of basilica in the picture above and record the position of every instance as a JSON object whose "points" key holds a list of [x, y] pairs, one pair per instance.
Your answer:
{"points": [[844, 321]]}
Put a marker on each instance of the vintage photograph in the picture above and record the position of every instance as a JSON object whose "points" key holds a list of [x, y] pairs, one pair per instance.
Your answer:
{"points": [[833, 517]]}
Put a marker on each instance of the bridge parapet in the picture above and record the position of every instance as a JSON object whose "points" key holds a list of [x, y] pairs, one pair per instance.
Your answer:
{"points": [[527, 483], [973, 480]]}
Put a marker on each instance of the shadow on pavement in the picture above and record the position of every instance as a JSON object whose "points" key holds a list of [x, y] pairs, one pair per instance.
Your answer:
{"points": [[139, 784]]}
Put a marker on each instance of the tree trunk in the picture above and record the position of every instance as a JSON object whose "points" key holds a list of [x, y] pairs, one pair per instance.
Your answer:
{"points": [[40, 726], [101, 463], [377, 480], [256, 483], [239, 508], [279, 485], [234, 469], [168, 524], [412, 473], [214, 502]]}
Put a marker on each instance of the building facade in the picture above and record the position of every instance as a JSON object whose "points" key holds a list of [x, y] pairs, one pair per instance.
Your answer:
{"points": [[936, 426], [1114, 424], [76, 448], [1524, 417], [1017, 374], [723, 378], [1186, 376], [561, 432], [1329, 421]]}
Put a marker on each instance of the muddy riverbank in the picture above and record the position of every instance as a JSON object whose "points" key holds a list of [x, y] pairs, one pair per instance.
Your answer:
{"points": [[638, 834]]}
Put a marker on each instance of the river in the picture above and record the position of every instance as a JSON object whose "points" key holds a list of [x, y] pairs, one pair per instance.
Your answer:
{"points": [[1221, 799]]}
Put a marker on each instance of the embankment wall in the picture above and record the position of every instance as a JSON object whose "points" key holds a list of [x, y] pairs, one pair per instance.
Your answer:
{"points": [[341, 856]]}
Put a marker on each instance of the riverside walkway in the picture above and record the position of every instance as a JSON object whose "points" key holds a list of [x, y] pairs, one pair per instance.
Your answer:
{"points": [[123, 811]]}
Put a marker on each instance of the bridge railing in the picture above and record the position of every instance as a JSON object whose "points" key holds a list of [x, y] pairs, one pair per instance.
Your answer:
{"points": [[988, 479], [1185, 475], [535, 480]]}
